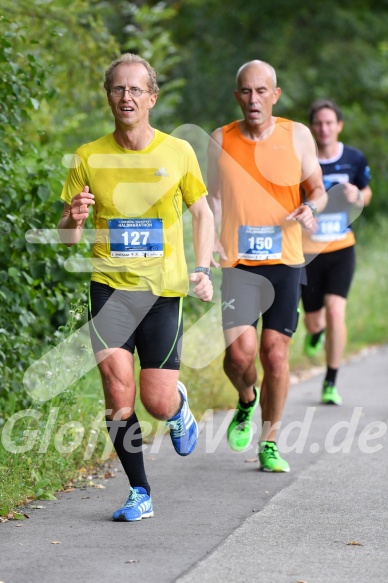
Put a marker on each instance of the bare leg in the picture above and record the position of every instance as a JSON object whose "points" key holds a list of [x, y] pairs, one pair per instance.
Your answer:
{"points": [[315, 321], [116, 369], [239, 360], [274, 350], [336, 330]]}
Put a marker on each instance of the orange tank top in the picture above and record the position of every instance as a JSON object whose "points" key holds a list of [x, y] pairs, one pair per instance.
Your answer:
{"points": [[260, 186]]}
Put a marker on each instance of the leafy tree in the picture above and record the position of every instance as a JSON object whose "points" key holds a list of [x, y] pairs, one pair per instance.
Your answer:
{"points": [[52, 98], [31, 290], [75, 45], [319, 49], [145, 28], [35, 295]]}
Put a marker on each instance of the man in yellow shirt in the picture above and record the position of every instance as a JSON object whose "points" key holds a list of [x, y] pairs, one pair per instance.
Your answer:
{"points": [[136, 181]]}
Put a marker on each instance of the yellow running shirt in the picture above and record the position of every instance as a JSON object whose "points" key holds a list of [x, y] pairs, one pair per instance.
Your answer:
{"points": [[260, 187], [138, 210]]}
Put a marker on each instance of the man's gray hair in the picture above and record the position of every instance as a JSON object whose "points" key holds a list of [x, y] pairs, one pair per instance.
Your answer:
{"points": [[129, 59]]}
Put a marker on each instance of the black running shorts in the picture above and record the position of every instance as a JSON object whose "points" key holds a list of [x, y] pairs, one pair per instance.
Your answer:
{"points": [[136, 319], [271, 292], [328, 273]]}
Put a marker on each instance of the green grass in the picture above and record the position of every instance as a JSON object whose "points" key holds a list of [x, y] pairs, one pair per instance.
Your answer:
{"points": [[367, 313], [35, 474], [42, 465]]}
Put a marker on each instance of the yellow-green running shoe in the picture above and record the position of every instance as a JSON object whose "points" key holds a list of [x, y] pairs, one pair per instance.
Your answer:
{"points": [[240, 428], [330, 395], [311, 349], [269, 458]]}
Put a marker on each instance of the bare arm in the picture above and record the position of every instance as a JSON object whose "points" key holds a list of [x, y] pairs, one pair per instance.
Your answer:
{"points": [[311, 182], [354, 195], [214, 187], [366, 194], [74, 216], [203, 238], [213, 176]]}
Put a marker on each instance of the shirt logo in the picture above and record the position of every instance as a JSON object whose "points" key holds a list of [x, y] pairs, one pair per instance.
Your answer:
{"points": [[161, 172]]}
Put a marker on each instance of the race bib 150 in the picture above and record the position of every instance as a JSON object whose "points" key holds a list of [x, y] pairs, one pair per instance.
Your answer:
{"points": [[259, 243]]}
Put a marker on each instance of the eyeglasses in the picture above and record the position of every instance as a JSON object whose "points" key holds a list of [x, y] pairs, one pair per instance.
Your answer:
{"points": [[134, 91]]}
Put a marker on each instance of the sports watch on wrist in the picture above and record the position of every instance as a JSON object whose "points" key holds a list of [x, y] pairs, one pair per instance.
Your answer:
{"points": [[312, 206], [205, 270]]}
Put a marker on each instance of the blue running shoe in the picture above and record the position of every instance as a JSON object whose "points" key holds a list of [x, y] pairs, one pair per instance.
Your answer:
{"points": [[183, 426], [138, 506]]}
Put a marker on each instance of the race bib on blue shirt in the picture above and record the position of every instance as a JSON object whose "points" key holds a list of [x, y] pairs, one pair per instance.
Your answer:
{"points": [[331, 227]]}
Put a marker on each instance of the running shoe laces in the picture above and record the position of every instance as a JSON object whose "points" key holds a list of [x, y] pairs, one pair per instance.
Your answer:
{"points": [[176, 427], [133, 499], [240, 430], [138, 506], [183, 426], [270, 460], [242, 417], [271, 451]]}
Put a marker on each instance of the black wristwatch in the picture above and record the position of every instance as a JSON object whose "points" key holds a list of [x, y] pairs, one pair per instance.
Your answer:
{"points": [[205, 270], [312, 206]]}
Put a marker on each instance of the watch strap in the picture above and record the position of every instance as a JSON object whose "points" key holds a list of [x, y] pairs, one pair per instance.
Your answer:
{"points": [[312, 207], [205, 270]]}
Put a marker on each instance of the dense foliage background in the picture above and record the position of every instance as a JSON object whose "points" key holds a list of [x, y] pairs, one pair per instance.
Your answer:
{"points": [[52, 59]]}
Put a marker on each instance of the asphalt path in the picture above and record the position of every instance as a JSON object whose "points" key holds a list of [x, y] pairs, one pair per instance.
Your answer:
{"points": [[217, 518]]}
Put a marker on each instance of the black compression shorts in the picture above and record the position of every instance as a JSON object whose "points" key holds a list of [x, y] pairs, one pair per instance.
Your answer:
{"points": [[328, 273], [269, 291], [136, 319]]}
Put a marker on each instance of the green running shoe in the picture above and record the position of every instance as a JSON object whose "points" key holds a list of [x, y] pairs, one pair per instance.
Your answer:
{"points": [[311, 349], [330, 395], [269, 458], [240, 428]]}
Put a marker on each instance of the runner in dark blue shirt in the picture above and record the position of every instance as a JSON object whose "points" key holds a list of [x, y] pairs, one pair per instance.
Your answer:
{"points": [[329, 251]]}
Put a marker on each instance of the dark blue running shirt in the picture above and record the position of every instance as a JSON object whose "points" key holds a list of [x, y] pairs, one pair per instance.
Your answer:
{"points": [[349, 166]]}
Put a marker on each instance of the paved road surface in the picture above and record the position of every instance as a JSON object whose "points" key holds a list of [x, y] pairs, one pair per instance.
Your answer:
{"points": [[217, 518]]}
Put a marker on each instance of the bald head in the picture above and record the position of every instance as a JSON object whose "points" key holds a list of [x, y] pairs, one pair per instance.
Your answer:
{"points": [[258, 65]]}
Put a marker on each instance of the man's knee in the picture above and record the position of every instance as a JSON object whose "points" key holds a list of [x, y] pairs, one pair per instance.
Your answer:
{"points": [[238, 360], [335, 309], [315, 321], [274, 357], [275, 363], [160, 395], [158, 408], [114, 385]]}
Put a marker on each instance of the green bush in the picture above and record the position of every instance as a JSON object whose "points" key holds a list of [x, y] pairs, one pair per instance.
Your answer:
{"points": [[34, 299]]}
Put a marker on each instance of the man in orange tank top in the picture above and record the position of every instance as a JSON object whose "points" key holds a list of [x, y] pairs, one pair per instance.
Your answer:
{"points": [[257, 166]]}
